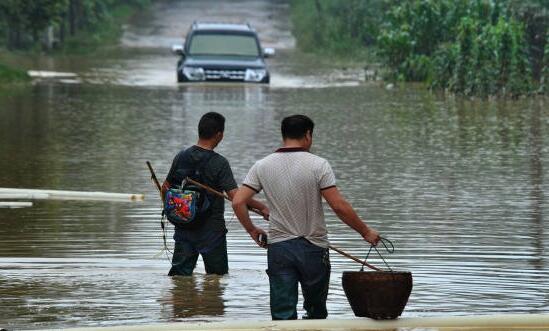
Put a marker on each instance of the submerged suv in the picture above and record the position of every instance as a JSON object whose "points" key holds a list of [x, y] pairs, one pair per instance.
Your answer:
{"points": [[222, 52]]}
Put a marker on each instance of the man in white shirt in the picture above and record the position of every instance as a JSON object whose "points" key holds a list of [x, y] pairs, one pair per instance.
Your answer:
{"points": [[294, 182]]}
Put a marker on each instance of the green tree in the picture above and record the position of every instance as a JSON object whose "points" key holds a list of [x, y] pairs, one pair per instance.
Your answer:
{"points": [[520, 81], [544, 80], [484, 69], [39, 14], [11, 12], [462, 80], [25, 19]]}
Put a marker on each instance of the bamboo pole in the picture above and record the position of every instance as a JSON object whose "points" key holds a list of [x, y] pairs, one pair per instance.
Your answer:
{"points": [[349, 256], [155, 180], [226, 197], [356, 259], [219, 194], [209, 189]]}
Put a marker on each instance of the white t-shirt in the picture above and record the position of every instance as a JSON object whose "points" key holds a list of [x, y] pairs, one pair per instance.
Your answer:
{"points": [[292, 180]]}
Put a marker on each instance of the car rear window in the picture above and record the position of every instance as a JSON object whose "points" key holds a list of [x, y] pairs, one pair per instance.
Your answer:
{"points": [[223, 44]]}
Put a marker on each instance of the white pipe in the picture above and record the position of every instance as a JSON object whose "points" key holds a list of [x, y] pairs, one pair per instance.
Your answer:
{"points": [[14, 193], [35, 196], [502, 322], [50, 74], [15, 204]]}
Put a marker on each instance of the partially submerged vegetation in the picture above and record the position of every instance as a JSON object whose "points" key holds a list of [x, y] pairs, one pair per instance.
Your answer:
{"points": [[10, 75], [57, 24], [60, 26], [468, 47]]}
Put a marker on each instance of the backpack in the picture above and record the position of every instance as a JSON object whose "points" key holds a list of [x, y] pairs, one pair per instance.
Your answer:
{"points": [[186, 206]]}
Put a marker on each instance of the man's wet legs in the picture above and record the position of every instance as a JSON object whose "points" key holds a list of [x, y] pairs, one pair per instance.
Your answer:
{"points": [[183, 260], [294, 261], [215, 260]]}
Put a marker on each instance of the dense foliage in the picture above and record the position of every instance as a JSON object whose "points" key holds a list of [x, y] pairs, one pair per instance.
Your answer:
{"points": [[31, 23], [336, 25], [544, 79], [11, 75], [469, 47]]}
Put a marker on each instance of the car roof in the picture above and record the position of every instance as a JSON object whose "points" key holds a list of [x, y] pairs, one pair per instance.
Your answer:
{"points": [[204, 26]]}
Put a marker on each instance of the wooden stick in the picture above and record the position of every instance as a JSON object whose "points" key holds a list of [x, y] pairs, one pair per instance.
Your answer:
{"points": [[211, 190], [347, 255], [194, 182], [226, 197], [219, 194], [154, 179], [207, 188]]}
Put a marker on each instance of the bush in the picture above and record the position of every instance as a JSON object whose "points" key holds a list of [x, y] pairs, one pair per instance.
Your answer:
{"points": [[336, 26], [10, 75], [544, 81], [474, 48], [469, 47], [23, 23], [444, 64]]}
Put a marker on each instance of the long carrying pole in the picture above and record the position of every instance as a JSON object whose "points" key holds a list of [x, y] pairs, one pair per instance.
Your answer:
{"points": [[219, 194], [154, 179], [226, 197], [349, 256], [354, 258]]}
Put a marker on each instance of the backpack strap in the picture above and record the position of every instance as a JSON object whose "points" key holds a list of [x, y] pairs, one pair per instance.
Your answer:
{"points": [[199, 168], [205, 159]]}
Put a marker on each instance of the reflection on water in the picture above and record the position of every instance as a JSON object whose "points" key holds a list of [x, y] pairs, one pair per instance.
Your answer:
{"points": [[458, 186], [195, 296]]}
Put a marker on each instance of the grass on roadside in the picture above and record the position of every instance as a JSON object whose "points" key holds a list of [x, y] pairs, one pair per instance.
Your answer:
{"points": [[107, 32], [10, 75]]}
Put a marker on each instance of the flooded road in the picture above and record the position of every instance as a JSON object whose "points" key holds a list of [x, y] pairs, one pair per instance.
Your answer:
{"points": [[459, 186]]}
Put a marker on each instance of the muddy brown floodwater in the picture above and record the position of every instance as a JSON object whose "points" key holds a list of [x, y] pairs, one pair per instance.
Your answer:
{"points": [[458, 186]]}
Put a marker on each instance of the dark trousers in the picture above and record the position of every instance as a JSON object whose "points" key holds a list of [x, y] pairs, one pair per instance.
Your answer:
{"points": [[185, 256], [298, 261]]}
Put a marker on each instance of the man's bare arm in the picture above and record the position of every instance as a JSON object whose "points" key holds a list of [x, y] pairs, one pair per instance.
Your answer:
{"points": [[240, 203], [347, 214], [253, 203]]}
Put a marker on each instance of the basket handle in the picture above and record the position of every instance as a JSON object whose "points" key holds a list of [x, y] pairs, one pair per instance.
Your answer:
{"points": [[391, 250]]}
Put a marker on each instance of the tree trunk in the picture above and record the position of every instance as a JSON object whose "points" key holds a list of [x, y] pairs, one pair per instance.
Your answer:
{"points": [[62, 29], [49, 38], [14, 36], [318, 29], [35, 37], [72, 17]]}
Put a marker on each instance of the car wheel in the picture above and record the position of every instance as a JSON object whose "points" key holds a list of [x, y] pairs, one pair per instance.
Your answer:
{"points": [[180, 77], [179, 71]]}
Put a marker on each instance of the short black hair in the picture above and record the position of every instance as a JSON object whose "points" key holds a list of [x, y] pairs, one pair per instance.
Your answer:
{"points": [[210, 124], [296, 126]]}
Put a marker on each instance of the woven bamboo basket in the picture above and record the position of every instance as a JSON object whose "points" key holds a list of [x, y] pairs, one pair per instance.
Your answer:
{"points": [[377, 294]]}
